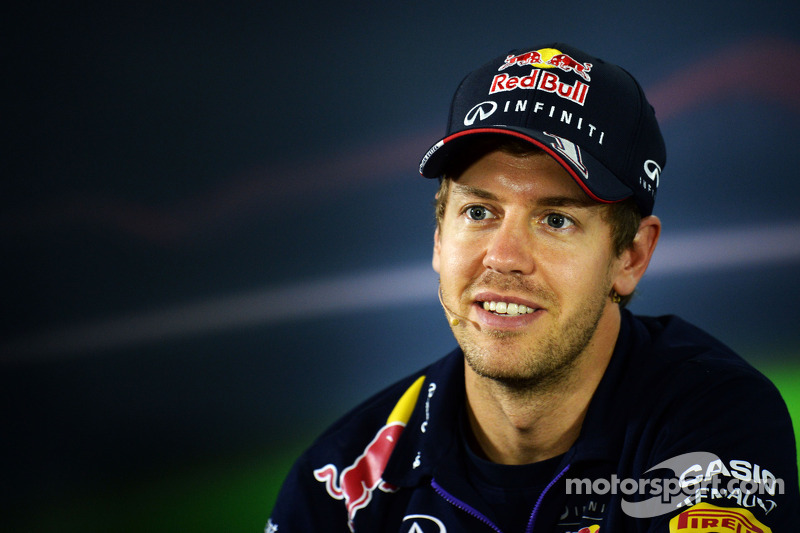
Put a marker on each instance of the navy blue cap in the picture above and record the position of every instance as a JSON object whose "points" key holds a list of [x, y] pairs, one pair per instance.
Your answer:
{"points": [[589, 115]]}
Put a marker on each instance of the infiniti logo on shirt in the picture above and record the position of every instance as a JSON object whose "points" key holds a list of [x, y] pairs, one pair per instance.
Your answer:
{"points": [[424, 526]]}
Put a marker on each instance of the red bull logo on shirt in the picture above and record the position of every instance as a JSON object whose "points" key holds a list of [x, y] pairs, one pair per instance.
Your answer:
{"points": [[358, 481]]}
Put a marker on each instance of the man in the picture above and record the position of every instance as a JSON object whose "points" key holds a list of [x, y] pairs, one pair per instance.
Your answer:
{"points": [[560, 411]]}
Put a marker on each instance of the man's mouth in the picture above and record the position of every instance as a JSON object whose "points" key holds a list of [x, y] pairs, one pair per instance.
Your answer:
{"points": [[507, 309]]}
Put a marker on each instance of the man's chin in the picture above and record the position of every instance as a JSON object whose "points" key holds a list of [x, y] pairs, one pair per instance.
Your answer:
{"points": [[522, 381], [510, 365]]}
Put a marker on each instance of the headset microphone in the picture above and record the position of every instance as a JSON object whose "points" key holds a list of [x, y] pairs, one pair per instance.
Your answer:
{"points": [[453, 317]]}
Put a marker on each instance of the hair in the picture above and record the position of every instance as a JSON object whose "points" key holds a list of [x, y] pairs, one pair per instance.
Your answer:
{"points": [[623, 216]]}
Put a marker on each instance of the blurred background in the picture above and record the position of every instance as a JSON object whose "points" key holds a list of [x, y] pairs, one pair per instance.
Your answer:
{"points": [[215, 240]]}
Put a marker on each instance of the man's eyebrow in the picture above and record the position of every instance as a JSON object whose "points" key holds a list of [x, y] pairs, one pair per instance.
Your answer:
{"points": [[567, 201], [548, 201], [469, 190]]}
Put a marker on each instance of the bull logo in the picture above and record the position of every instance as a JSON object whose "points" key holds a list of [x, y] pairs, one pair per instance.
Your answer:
{"points": [[567, 64], [357, 482], [549, 58], [528, 58]]}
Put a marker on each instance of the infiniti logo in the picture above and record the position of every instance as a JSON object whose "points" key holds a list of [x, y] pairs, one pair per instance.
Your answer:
{"points": [[417, 528], [481, 111], [653, 171]]}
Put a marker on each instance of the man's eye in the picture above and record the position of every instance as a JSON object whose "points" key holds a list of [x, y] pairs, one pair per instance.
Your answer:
{"points": [[554, 220], [478, 212]]}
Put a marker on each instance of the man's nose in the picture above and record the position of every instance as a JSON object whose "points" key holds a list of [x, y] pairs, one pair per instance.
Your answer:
{"points": [[510, 249]]}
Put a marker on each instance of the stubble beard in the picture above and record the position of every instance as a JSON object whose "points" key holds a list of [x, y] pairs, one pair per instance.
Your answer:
{"points": [[546, 364]]}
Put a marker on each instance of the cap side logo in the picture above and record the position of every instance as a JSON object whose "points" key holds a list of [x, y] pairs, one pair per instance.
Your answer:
{"points": [[652, 172]]}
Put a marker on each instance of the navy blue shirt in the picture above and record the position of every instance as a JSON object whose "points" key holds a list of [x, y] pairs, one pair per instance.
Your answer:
{"points": [[674, 404], [508, 491]]}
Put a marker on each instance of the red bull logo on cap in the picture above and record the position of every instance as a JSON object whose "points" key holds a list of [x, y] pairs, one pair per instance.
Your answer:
{"points": [[549, 58], [357, 482], [541, 80], [528, 58]]}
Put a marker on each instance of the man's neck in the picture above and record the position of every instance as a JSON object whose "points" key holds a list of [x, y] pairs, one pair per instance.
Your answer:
{"points": [[516, 425]]}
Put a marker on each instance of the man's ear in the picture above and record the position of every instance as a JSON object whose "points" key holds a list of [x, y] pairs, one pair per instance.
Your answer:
{"points": [[437, 247], [634, 261]]}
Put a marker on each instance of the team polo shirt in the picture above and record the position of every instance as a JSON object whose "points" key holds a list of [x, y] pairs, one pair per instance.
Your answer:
{"points": [[674, 402]]}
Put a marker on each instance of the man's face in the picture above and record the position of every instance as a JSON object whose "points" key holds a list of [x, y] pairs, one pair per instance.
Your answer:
{"points": [[525, 255]]}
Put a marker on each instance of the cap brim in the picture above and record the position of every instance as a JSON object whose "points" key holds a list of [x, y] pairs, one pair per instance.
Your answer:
{"points": [[599, 183]]}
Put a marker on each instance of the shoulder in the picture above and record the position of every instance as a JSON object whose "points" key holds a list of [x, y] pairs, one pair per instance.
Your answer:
{"points": [[676, 388], [346, 463], [688, 362], [385, 413], [715, 420], [705, 397]]}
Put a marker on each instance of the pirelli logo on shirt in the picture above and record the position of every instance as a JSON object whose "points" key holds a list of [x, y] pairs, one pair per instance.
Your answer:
{"points": [[707, 518]]}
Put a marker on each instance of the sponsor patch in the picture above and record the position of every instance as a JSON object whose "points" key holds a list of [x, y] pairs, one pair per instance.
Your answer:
{"points": [[358, 481], [541, 80], [708, 518], [548, 82], [548, 58]]}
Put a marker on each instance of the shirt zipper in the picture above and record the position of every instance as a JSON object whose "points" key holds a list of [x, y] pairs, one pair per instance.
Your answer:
{"points": [[452, 500], [536, 507]]}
